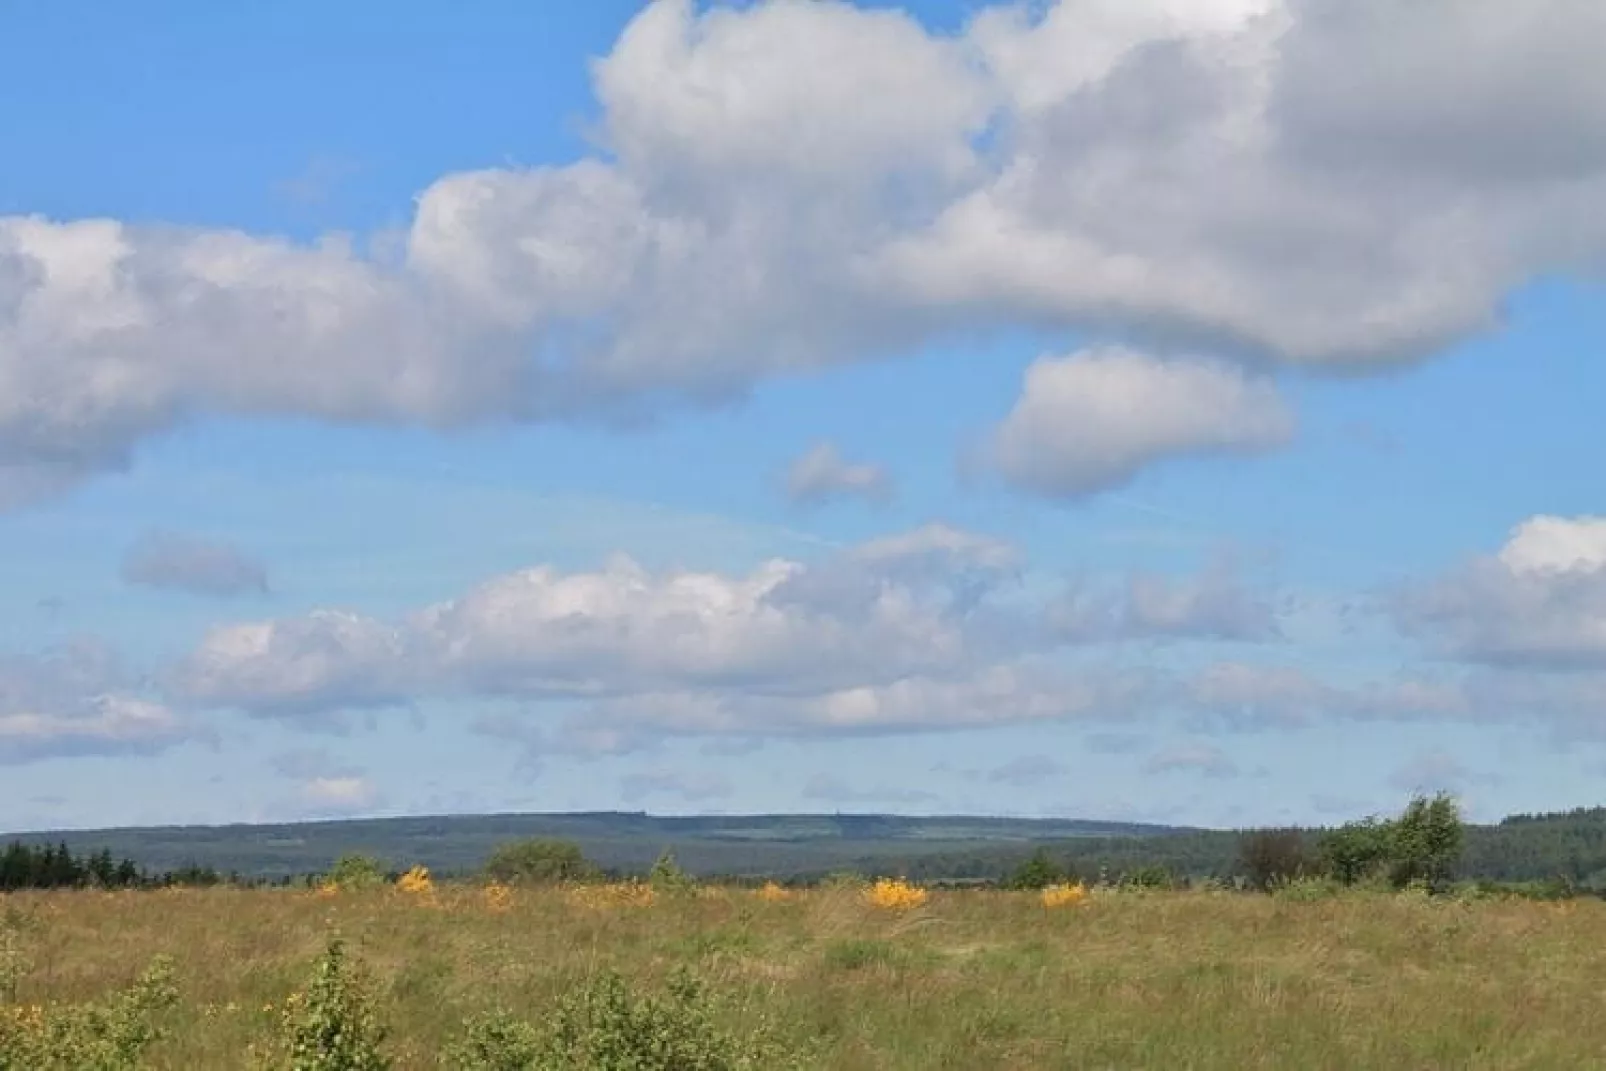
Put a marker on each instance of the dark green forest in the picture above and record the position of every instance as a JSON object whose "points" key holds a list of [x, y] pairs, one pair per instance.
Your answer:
{"points": [[54, 866], [1568, 846]]}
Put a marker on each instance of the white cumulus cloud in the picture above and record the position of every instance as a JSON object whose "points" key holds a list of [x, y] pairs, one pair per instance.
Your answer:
{"points": [[784, 186], [1093, 420], [1539, 602]]}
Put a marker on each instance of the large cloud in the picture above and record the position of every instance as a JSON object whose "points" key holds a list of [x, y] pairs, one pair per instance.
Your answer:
{"points": [[78, 702], [873, 615], [922, 631], [907, 632], [1538, 603], [788, 185]]}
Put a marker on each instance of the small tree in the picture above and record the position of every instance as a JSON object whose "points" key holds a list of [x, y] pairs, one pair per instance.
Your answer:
{"points": [[1270, 857], [1355, 850], [1425, 842], [1038, 872], [539, 862], [667, 877]]}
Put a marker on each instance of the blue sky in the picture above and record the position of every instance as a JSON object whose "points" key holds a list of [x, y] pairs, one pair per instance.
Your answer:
{"points": [[1164, 411]]}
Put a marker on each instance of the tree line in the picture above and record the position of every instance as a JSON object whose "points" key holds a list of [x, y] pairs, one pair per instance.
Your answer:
{"points": [[54, 866]]}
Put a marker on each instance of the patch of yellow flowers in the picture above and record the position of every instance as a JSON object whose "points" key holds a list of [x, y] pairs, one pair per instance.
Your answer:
{"points": [[1064, 895], [895, 894], [417, 882]]}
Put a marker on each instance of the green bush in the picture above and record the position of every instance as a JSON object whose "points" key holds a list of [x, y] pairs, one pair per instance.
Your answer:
{"points": [[353, 872], [539, 862], [108, 1036], [1425, 843], [1039, 872], [1355, 851], [1272, 857], [605, 1026], [1420, 847], [1306, 889], [496, 1041], [332, 1025], [1150, 877], [667, 878]]}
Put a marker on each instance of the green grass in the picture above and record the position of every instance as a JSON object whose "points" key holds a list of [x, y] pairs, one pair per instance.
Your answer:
{"points": [[971, 980]]}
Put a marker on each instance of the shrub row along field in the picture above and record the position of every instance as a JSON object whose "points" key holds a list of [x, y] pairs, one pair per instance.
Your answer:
{"points": [[845, 975]]}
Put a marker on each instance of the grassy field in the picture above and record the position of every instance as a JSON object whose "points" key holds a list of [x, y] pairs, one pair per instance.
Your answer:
{"points": [[967, 980]]}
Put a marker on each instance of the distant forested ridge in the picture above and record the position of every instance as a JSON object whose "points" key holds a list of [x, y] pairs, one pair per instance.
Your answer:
{"points": [[1527, 847]]}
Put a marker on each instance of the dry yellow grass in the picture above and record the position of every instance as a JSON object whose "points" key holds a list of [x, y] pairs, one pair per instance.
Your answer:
{"points": [[972, 980]]}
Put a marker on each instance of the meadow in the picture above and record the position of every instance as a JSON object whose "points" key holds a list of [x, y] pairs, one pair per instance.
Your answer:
{"points": [[837, 977]]}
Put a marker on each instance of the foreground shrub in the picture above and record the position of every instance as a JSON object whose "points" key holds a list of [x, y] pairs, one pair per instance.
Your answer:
{"points": [[607, 1027], [106, 1036], [332, 1024], [497, 1041]]}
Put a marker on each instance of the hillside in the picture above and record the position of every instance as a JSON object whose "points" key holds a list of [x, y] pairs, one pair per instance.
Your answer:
{"points": [[788, 845], [1520, 848]]}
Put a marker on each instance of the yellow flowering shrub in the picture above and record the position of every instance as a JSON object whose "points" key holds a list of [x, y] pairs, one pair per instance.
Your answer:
{"points": [[1064, 895], [895, 894], [417, 882]]}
